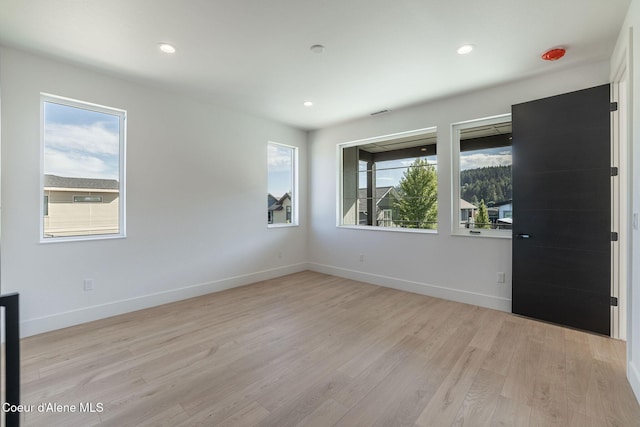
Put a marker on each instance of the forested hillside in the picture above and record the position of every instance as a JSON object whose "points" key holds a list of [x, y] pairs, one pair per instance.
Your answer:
{"points": [[491, 184]]}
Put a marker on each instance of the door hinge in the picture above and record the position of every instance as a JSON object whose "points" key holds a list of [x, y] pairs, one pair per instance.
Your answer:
{"points": [[614, 171], [613, 106], [614, 301], [614, 236]]}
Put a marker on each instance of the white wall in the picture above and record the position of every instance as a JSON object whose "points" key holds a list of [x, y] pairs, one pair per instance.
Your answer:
{"points": [[632, 23], [456, 267], [210, 234]]}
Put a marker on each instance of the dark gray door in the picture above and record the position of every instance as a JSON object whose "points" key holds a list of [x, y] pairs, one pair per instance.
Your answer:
{"points": [[562, 209]]}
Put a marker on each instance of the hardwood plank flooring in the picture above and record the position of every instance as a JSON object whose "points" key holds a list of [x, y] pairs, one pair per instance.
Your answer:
{"points": [[310, 349]]}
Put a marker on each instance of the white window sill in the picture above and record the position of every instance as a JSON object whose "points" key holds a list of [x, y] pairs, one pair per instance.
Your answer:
{"points": [[91, 237], [388, 229], [481, 234], [282, 225]]}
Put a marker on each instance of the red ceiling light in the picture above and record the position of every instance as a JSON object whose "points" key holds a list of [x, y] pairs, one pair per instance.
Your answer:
{"points": [[554, 54]]}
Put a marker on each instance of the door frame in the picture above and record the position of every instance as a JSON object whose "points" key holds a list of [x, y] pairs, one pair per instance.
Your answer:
{"points": [[620, 185]]}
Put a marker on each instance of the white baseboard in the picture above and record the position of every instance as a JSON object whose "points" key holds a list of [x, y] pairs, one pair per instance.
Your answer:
{"points": [[633, 375], [87, 314], [488, 301]]}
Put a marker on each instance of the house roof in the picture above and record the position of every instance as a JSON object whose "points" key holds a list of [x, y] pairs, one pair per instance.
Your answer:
{"points": [[55, 181], [502, 203], [466, 205], [380, 193], [276, 204]]}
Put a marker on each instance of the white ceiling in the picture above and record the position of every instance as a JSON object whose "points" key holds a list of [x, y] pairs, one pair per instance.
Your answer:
{"points": [[254, 55]]}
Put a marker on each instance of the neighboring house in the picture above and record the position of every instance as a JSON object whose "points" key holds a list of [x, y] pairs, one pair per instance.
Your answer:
{"points": [[467, 211], [500, 214], [279, 210], [500, 210], [505, 209], [505, 214], [385, 198], [80, 206]]}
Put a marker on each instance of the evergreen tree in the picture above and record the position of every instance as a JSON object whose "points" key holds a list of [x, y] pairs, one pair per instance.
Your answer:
{"points": [[493, 184], [482, 219], [418, 190]]}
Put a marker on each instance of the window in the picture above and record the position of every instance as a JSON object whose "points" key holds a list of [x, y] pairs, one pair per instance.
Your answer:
{"points": [[390, 182], [387, 217], [82, 182], [482, 177], [87, 199], [282, 183]]}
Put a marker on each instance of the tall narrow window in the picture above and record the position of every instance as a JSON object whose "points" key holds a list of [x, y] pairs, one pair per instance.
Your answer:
{"points": [[282, 198], [482, 177], [390, 181], [83, 149]]}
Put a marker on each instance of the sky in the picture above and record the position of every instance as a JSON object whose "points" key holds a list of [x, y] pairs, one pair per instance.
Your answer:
{"points": [[499, 156], [280, 162], [389, 173], [80, 143]]}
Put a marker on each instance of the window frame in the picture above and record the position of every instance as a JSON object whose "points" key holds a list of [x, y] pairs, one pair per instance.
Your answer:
{"points": [[428, 131], [122, 121], [294, 186], [456, 230]]}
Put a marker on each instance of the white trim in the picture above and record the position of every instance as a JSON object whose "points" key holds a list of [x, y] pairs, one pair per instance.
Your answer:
{"points": [[620, 186], [43, 324], [416, 132], [391, 229], [84, 238], [633, 375], [618, 276], [456, 230], [281, 225], [466, 297]]}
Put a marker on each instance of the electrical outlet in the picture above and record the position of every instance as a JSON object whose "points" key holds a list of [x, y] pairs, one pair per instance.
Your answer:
{"points": [[280, 255], [361, 257], [500, 277], [88, 284]]}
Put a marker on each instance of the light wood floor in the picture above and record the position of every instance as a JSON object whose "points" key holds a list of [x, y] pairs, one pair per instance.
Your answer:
{"points": [[315, 350]]}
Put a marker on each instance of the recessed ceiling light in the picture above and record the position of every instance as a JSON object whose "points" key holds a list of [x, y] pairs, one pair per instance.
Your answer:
{"points": [[307, 103], [167, 48], [464, 49], [317, 48]]}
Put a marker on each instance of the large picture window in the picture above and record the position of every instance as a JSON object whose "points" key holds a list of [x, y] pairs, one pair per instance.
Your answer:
{"points": [[82, 182], [282, 182], [390, 182], [482, 177]]}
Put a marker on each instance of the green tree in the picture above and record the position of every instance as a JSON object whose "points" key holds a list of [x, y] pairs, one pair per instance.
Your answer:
{"points": [[482, 219], [493, 184], [418, 190]]}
